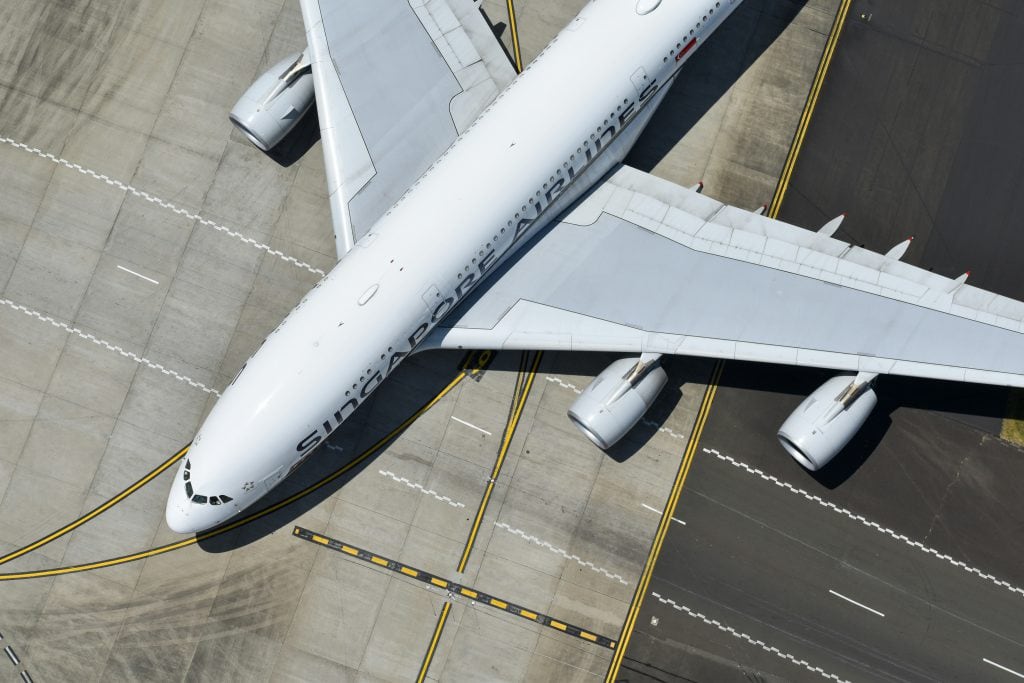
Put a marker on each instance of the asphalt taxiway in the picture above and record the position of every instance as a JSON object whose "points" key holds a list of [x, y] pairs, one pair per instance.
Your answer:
{"points": [[145, 251], [901, 560]]}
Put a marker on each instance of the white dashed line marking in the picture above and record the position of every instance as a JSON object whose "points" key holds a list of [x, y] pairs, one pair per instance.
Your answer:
{"points": [[743, 636], [471, 426], [854, 602], [107, 345], [558, 551], [132, 272], [160, 202], [659, 512], [565, 385], [863, 520], [1004, 668], [13, 657], [419, 487]]}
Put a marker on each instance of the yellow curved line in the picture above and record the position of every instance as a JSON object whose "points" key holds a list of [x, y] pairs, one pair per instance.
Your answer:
{"points": [[95, 512], [160, 550]]}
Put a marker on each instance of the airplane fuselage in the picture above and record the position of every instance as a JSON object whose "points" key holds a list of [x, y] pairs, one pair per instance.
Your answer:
{"points": [[548, 138]]}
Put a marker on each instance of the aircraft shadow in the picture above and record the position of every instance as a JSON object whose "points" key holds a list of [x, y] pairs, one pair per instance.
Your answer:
{"points": [[710, 73], [414, 383]]}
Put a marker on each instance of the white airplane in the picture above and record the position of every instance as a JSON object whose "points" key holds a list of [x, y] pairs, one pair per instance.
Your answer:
{"points": [[474, 209]]}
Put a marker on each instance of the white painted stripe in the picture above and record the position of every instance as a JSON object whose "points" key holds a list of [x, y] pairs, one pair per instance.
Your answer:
{"points": [[419, 487], [1004, 668], [658, 512], [863, 520], [558, 551], [132, 272], [854, 602], [471, 426], [160, 202], [107, 345], [743, 636], [13, 657]]}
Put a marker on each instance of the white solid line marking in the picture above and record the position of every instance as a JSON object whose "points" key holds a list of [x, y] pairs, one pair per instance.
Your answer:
{"points": [[1004, 668], [658, 512], [132, 272], [471, 426], [854, 602]]}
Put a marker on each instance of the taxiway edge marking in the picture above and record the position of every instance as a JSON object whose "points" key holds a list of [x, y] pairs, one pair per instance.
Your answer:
{"points": [[663, 524], [809, 106]]}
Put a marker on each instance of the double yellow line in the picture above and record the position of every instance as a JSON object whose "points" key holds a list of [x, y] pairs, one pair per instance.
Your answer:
{"points": [[666, 518], [808, 112]]}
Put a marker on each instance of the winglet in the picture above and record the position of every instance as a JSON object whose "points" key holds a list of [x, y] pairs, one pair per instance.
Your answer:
{"points": [[900, 249], [959, 282], [830, 228]]}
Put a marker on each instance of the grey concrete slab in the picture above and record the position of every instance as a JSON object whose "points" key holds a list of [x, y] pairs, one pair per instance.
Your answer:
{"points": [[52, 274], [67, 441], [407, 614], [18, 408]]}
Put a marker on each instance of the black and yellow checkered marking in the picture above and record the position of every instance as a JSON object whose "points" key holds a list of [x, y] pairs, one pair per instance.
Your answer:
{"points": [[455, 589]]}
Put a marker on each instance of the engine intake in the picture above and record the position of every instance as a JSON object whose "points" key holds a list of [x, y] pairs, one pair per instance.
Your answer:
{"points": [[617, 398], [825, 422], [276, 102]]}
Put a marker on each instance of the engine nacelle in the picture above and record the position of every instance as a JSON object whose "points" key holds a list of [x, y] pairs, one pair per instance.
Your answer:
{"points": [[277, 101], [617, 398], [827, 419]]}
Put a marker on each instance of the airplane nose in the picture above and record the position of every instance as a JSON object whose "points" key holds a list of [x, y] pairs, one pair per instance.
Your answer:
{"points": [[177, 512]]}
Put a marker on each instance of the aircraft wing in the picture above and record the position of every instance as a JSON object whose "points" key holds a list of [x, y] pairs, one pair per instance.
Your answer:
{"points": [[643, 265], [396, 82]]}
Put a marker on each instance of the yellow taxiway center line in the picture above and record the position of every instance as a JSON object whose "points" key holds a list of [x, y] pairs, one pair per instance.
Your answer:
{"points": [[95, 512], [510, 431], [433, 642], [152, 552], [808, 112], [514, 30], [663, 524]]}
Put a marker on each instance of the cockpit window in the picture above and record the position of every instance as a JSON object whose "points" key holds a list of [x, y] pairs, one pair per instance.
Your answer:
{"points": [[197, 498]]}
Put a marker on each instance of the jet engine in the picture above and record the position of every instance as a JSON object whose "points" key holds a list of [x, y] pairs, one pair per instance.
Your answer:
{"points": [[827, 419], [277, 101], [617, 398]]}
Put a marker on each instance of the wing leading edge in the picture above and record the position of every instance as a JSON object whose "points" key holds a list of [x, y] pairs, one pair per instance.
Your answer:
{"points": [[396, 82], [643, 265]]}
